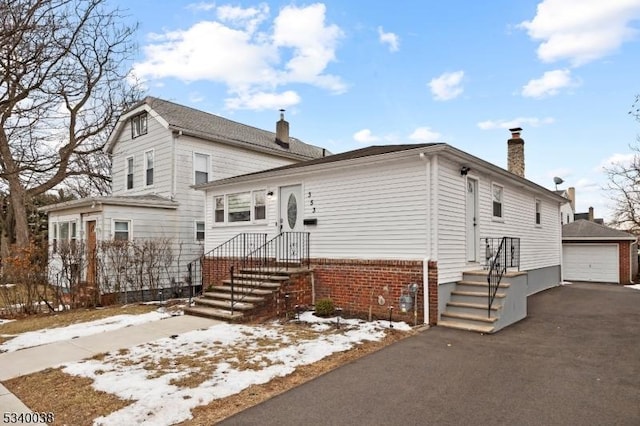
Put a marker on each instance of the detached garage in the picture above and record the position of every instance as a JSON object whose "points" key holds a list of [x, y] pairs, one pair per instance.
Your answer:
{"points": [[594, 252]]}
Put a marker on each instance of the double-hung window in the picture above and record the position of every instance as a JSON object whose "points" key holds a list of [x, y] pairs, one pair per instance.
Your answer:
{"points": [[139, 125], [129, 172], [498, 193], [199, 231], [121, 230], [200, 168], [64, 233], [259, 205], [148, 160], [218, 214], [538, 212]]}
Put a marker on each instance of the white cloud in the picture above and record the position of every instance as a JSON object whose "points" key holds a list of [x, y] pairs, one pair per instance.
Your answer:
{"points": [[201, 6], [447, 86], [425, 134], [296, 49], [549, 84], [365, 136], [263, 100], [390, 39], [516, 122], [623, 160], [581, 30]]}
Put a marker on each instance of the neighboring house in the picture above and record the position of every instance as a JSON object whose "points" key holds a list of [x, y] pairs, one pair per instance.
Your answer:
{"points": [[158, 150], [594, 252], [588, 216], [384, 217], [568, 209]]}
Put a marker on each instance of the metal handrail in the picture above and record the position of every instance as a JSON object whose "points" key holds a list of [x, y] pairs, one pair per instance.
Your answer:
{"points": [[499, 259], [278, 254]]}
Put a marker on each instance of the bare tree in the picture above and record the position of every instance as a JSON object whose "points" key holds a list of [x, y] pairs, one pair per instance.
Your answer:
{"points": [[63, 84], [624, 185]]}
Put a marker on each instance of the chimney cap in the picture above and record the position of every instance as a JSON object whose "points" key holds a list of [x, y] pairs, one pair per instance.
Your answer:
{"points": [[516, 130]]}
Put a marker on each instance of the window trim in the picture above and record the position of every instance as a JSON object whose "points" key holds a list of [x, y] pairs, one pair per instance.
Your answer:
{"points": [[493, 202], [129, 229], [127, 174], [208, 171], [538, 211], [146, 167], [204, 227], [139, 126]]}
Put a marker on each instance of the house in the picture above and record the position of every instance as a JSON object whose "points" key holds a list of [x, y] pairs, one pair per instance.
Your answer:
{"points": [[567, 211], [589, 215], [158, 150], [410, 231], [597, 253]]}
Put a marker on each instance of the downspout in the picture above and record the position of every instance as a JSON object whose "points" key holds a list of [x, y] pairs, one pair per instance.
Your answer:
{"points": [[425, 261]]}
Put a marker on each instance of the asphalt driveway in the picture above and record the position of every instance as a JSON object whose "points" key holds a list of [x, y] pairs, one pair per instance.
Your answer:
{"points": [[575, 360]]}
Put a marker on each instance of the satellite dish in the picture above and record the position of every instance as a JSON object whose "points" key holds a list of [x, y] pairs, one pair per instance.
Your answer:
{"points": [[557, 180]]}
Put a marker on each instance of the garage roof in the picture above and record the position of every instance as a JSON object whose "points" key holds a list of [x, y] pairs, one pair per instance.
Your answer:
{"points": [[588, 231]]}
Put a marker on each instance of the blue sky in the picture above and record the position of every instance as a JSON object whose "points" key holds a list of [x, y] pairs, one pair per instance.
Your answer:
{"points": [[357, 73]]}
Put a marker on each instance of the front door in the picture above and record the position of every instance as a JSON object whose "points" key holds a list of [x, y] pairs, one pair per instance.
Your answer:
{"points": [[91, 252], [291, 208], [472, 220]]}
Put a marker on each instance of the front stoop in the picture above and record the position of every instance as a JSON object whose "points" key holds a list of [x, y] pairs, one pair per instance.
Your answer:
{"points": [[254, 296], [468, 310]]}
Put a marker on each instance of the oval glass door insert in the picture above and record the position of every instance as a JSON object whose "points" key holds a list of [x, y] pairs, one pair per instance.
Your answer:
{"points": [[292, 211]]}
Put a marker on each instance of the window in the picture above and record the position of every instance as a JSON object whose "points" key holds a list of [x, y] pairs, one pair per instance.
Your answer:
{"points": [[63, 232], [239, 207], [497, 201], [54, 240], [121, 230], [199, 231], [129, 172], [259, 206], [201, 168], [139, 125], [538, 212], [218, 216], [148, 159]]}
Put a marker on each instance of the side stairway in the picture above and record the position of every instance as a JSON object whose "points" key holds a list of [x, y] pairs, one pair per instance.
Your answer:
{"points": [[467, 308], [254, 295]]}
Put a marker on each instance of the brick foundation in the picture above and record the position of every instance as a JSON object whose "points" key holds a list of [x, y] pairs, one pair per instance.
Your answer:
{"points": [[356, 286]]}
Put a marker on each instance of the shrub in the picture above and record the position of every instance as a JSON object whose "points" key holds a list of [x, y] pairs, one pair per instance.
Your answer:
{"points": [[324, 307]]}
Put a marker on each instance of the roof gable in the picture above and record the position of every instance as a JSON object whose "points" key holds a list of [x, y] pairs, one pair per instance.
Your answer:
{"points": [[211, 127]]}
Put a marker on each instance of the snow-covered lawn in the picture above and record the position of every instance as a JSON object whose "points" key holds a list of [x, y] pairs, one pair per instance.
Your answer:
{"points": [[167, 378], [50, 335]]}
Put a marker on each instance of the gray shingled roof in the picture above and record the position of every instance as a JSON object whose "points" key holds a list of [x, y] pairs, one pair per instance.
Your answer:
{"points": [[147, 200], [349, 155], [213, 127], [586, 230]]}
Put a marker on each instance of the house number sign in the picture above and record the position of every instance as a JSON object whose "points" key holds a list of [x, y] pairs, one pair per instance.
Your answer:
{"points": [[313, 209]]}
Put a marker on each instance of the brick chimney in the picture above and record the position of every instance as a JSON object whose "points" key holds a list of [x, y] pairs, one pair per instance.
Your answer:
{"points": [[591, 218], [515, 152], [571, 194], [282, 131]]}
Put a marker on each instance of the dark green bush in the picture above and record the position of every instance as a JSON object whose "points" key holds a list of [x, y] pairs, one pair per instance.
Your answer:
{"points": [[324, 307]]}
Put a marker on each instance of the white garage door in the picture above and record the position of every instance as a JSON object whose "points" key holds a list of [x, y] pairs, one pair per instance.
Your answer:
{"points": [[590, 262]]}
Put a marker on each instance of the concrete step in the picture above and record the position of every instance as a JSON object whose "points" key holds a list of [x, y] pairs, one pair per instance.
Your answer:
{"points": [[477, 285], [260, 277], [472, 308], [215, 313], [227, 296], [478, 297], [252, 283], [224, 304], [478, 328], [245, 290], [470, 318]]}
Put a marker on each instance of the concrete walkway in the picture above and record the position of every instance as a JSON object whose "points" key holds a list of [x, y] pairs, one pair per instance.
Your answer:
{"points": [[31, 360]]}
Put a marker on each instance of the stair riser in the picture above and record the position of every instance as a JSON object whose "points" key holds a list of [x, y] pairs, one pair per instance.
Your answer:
{"points": [[195, 313], [227, 296], [478, 300], [224, 304], [471, 311], [467, 287], [468, 321], [253, 284]]}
